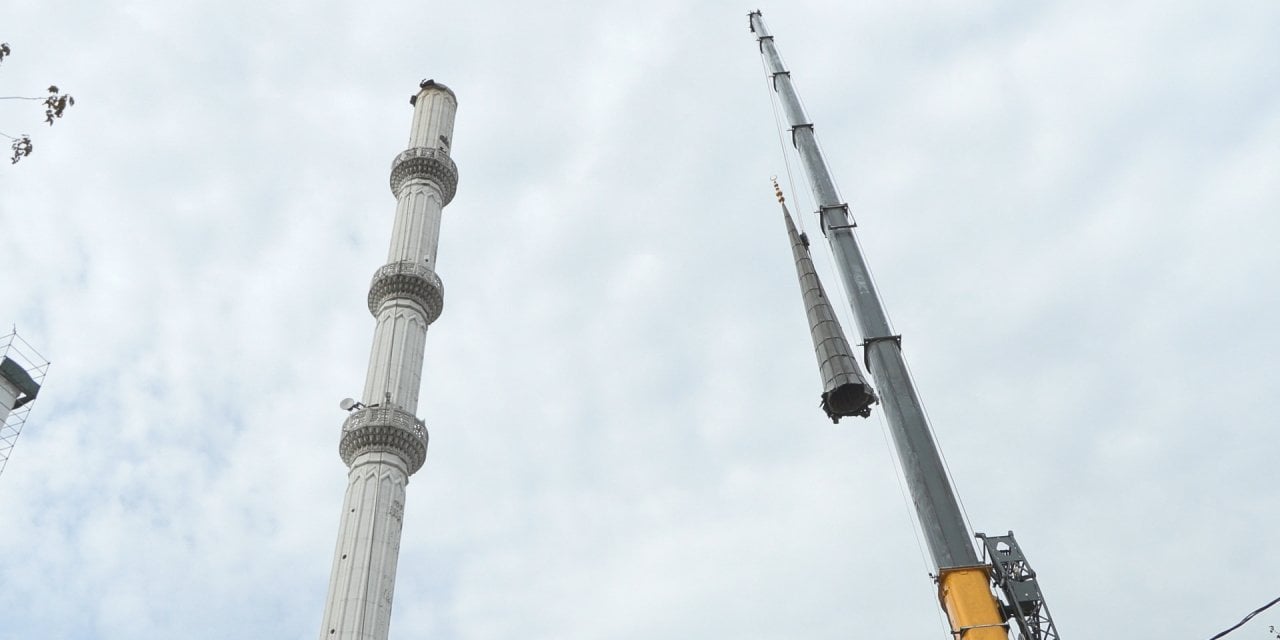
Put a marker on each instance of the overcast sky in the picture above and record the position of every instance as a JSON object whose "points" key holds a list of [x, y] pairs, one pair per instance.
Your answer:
{"points": [[1070, 207]]}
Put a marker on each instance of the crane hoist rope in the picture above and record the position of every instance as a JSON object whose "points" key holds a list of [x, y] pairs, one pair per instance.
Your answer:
{"points": [[782, 145]]}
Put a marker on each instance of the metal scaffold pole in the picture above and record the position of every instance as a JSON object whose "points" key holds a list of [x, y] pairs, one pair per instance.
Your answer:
{"points": [[22, 371]]}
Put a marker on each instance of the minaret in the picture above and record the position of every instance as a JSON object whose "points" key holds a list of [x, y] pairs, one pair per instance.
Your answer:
{"points": [[383, 441]]}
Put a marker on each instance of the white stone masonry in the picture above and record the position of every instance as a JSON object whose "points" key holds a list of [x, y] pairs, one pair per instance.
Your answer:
{"points": [[383, 442], [364, 564]]}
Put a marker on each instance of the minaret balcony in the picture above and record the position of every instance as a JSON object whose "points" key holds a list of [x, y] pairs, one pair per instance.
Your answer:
{"points": [[407, 280], [386, 429], [425, 163]]}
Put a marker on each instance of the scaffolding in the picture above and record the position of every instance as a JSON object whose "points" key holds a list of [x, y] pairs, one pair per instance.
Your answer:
{"points": [[22, 371]]}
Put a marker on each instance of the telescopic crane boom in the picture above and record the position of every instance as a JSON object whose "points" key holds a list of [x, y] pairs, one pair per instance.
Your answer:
{"points": [[964, 582]]}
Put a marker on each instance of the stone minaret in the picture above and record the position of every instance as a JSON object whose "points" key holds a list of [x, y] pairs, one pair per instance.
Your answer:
{"points": [[383, 441]]}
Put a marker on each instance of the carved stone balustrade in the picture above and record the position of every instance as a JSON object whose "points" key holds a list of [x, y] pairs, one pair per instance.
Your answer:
{"points": [[409, 280], [426, 163], [387, 429]]}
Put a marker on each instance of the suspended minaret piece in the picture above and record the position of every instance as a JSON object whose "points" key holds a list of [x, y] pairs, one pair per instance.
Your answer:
{"points": [[845, 391], [383, 441]]}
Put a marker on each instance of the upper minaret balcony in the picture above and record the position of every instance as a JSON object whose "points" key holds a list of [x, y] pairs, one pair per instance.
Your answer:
{"points": [[430, 136]]}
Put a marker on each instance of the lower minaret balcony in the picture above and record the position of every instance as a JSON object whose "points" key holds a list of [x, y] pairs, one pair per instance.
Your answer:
{"points": [[408, 280], [386, 429], [425, 163]]}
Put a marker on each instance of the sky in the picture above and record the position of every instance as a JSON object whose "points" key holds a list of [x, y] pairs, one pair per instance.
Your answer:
{"points": [[1070, 209]]}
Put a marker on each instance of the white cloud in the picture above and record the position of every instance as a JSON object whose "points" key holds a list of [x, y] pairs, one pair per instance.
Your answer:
{"points": [[1068, 208]]}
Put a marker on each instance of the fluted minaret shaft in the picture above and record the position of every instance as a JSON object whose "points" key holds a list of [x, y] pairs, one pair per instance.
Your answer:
{"points": [[383, 441]]}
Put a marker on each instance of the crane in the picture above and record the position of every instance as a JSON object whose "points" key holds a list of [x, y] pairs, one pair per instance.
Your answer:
{"points": [[996, 597]]}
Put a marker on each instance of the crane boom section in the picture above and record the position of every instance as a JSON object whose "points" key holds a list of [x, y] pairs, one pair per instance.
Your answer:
{"points": [[936, 505], [962, 580]]}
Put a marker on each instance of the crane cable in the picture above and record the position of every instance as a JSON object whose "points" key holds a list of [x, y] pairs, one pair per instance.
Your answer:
{"points": [[912, 518], [782, 145]]}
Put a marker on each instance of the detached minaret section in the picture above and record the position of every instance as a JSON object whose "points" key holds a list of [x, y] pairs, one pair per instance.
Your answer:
{"points": [[383, 441], [845, 391]]}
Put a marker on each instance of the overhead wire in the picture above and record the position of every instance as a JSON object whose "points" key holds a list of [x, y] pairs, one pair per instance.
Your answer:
{"points": [[1246, 619]]}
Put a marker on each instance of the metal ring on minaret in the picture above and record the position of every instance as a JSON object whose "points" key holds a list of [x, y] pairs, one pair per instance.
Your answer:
{"points": [[385, 428], [428, 164], [409, 280]]}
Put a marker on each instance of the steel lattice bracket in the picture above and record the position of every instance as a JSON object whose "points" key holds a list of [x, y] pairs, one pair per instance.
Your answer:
{"points": [[1019, 590]]}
